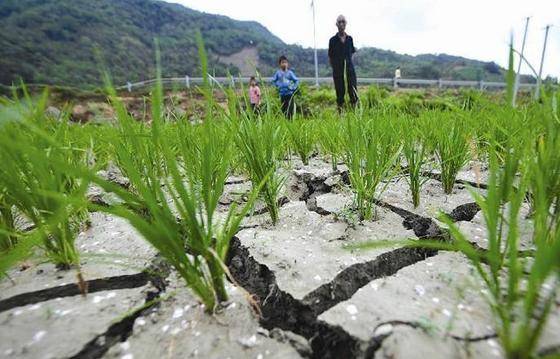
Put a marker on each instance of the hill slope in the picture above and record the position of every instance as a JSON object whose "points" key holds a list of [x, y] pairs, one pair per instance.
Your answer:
{"points": [[59, 42]]}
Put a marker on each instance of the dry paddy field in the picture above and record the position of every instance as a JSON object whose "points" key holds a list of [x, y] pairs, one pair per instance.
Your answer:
{"points": [[299, 289]]}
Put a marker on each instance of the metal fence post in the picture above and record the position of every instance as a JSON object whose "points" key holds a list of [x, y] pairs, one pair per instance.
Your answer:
{"points": [[481, 85], [129, 86], [187, 81], [439, 84], [539, 78]]}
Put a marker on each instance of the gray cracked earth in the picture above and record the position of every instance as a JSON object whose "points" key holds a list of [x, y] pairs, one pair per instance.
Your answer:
{"points": [[318, 298]]}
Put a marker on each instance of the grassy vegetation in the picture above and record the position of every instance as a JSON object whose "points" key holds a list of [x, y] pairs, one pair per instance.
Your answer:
{"points": [[178, 169]]}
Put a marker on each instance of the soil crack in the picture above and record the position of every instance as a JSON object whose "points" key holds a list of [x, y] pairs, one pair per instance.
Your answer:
{"points": [[437, 177], [352, 278], [281, 202], [128, 281], [281, 310], [121, 330], [376, 341]]}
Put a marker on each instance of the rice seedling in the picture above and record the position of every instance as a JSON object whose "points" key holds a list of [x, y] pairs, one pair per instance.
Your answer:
{"points": [[510, 74], [415, 151], [521, 291], [134, 149], [7, 223], [496, 126], [20, 251], [451, 143], [520, 287], [302, 137], [330, 139], [179, 185], [259, 143], [546, 159], [372, 150], [180, 223], [37, 181]]}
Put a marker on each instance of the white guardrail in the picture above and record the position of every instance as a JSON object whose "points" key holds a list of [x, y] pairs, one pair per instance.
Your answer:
{"points": [[190, 81]]}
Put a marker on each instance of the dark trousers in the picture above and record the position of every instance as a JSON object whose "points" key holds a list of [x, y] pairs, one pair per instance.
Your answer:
{"points": [[340, 86], [255, 108], [287, 105]]}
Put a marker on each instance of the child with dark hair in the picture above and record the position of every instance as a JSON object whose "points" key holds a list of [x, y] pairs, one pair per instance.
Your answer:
{"points": [[254, 95], [287, 84]]}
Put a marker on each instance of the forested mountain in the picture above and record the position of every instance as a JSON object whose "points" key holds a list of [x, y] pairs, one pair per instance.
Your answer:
{"points": [[65, 41]]}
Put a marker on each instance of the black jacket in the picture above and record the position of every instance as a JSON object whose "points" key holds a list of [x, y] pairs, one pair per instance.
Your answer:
{"points": [[341, 52]]}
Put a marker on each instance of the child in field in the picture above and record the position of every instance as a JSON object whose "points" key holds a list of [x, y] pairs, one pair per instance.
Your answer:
{"points": [[287, 84], [254, 95]]}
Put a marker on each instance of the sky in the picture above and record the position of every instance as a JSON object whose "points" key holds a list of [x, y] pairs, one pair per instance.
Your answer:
{"points": [[477, 29]]}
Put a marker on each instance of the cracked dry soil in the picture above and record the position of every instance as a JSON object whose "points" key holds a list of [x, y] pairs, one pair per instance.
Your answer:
{"points": [[317, 298]]}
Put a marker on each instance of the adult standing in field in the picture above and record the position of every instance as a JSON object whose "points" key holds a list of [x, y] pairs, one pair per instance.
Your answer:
{"points": [[341, 49], [397, 76]]}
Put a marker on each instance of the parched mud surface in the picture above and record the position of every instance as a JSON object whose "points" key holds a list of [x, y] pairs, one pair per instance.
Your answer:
{"points": [[281, 310], [475, 229], [110, 248], [306, 250], [389, 302], [319, 295], [42, 304], [433, 199], [61, 327], [179, 328], [475, 174], [441, 293]]}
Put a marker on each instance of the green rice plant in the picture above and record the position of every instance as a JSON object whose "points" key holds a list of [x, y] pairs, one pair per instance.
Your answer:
{"points": [[372, 150], [37, 181], [520, 286], [546, 159], [7, 223], [259, 142], [415, 151], [136, 137], [510, 75], [330, 138], [179, 185], [21, 251], [374, 96], [180, 221], [521, 291], [98, 141], [452, 146], [302, 137]]}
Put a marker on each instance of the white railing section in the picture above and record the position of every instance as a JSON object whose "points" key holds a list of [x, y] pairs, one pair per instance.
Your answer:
{"points": [[189, 81]]}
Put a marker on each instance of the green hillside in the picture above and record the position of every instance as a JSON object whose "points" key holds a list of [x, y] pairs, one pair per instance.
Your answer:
{"points": [[61, 42]]}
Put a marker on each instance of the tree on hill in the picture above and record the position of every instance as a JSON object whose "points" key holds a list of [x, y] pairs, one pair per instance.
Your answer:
{"points": [[57, 42]]}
